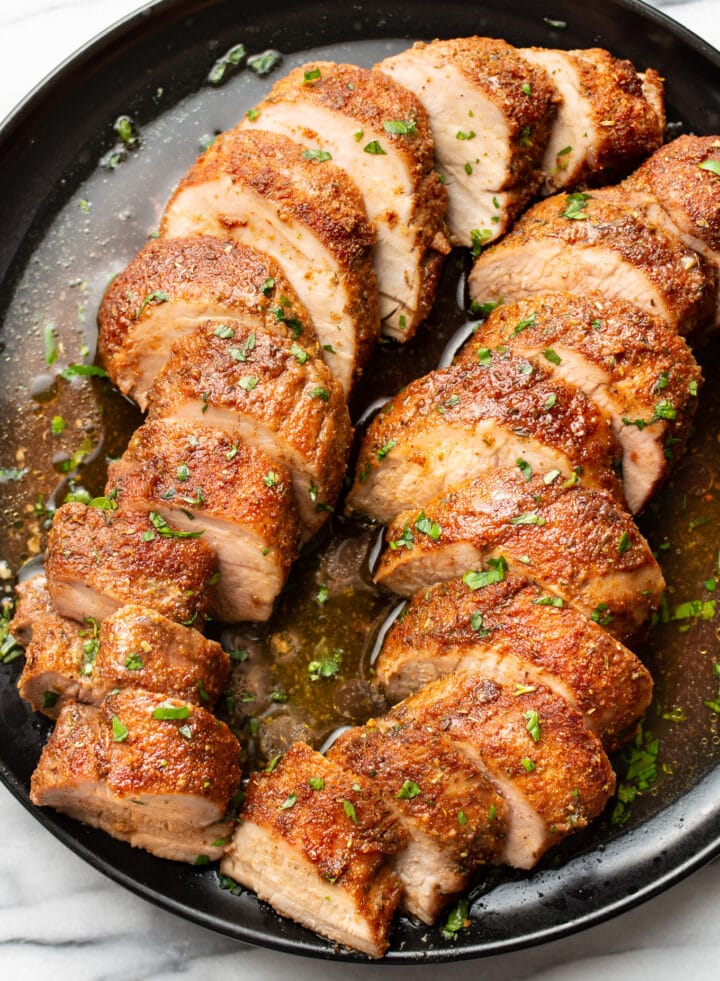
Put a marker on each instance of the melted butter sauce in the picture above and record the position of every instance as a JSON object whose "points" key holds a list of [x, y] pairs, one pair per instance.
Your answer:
{"points": [[330, 611]]}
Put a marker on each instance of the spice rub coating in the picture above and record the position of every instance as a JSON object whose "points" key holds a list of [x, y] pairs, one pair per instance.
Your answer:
{"points": [[317, 843], [634, 366], [198, 477], [156, 773], [581, 242], [491, 114], [98, 560], [460, 422], [455, 819], [265, 391], [378, 132], [174, 283], [512, 630], [258, 188], [579, 543]]}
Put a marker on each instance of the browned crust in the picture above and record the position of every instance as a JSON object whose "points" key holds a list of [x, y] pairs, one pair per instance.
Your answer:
{"points": [[155, 758], [645, 358], [449, 786], [228, 278], [690, 194], [626, 126], [53, 662], [498, 70], [203, 370], [572, 779], [586, 537], [106, 551], [373, 98], [322, 198], [230, 474], [605, 677], [353, 853], [33, 601], [688, 292], [173, 660], [469, 395]]}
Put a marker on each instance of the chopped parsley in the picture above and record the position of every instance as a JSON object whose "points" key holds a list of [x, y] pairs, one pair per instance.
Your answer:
{"points": [[428, 527], [320, 155], [533, 724], [312, 75], [556, 601], [316, 783], [575, 206], [552, 356], [479, 237], [457, 919], [400, 127], [166, 531], [408, 791], [289, 802], [350, 812], [375, 148], [496, 573], [133, 662], [119, 730], [263, 64], [167, 712]]}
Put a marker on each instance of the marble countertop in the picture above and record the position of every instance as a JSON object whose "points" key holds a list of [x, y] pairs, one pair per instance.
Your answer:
{"points": [[58, 915]]}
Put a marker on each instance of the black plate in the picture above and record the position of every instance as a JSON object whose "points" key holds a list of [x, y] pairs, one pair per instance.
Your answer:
{"points": [[49, 150]]}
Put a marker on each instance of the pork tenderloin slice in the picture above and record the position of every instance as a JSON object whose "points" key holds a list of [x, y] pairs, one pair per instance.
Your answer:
{"points": [[635, 367], [174, 283], [99, 560], [460, 422], [345, 111], [454, 817], [266, 392], [610, 116], [257, 188], [509, 632], [674, 190], [576, 542], [550, 769], [490, 114], [32, 601], [158, 782], [56, 659], [140, 648], [317, 843], [581, 243], [198, 477]]}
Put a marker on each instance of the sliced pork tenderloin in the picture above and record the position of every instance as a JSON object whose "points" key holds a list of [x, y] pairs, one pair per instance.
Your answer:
{"points": [[635, 367], [550, 769], [582, 242], [378, 132], [157, 773], [98, 560], [491, 113], [259, 189], [511, 631], [678, 189], [577, 542], [197, 477], [454, 817], [140, 648], [460, 422], [174, 283], [317, 843], [610, 116], [269, 393], [58, 659]]}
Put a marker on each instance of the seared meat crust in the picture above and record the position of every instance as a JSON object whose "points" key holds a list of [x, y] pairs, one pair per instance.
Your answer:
{"points": [[172, 284], [160, 784], [561, 780], [98, 560], [582, 243], [343, 111], [610, 116], [577, 542], [455, 818], [258, 188], [634, 366], [490, 113], [321, 853], [265, 391], [459, 422], [507, 631], [198, 477]]}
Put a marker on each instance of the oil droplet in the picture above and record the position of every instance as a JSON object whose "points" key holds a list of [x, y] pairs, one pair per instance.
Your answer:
{"points": [[43, 388]]}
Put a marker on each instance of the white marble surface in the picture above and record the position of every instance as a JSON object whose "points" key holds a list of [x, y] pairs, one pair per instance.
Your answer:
{"points": [[60, 918]]}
